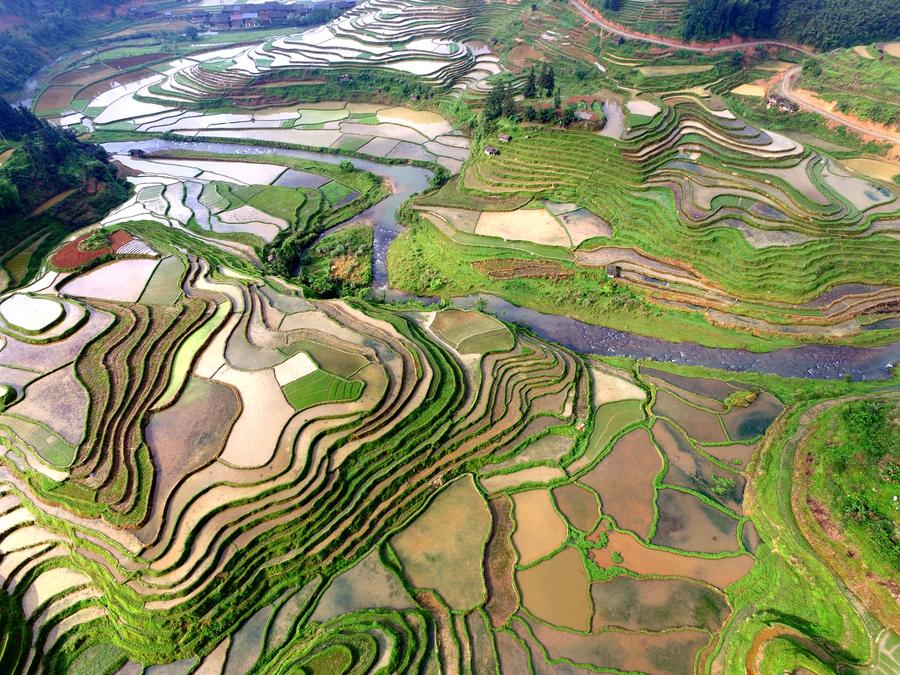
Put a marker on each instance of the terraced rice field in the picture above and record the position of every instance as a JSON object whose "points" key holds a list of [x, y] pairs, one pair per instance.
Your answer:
{"points": [[407, 39], [205, 467], [245, 442], [697, 211]]}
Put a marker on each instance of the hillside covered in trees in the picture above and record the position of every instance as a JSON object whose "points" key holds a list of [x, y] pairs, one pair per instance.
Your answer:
{"points": [[45, 162], [39, 30], [826, 24]]}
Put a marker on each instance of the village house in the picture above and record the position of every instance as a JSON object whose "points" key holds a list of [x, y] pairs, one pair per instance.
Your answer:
{"points": [[490, 150], [782, 104], [253, 16], [504, 138]]}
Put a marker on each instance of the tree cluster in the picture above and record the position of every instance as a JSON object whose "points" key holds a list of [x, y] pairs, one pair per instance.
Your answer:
{"points": [[500, 102], [826, 24], [46, 161], [50, 28], [537, 82]]}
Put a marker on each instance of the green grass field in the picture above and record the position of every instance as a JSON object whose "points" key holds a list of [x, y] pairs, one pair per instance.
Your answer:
{"points": [[319, 387]]}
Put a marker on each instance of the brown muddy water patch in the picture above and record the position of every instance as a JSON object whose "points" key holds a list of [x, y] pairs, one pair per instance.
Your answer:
{"points": [[624, 481], [657, 604], [578, 505], [186, 436], [557, 590], [366, 585], [539, 529], [718, 572], [699, 424], [443, 548], [670, 652], [689, 469], [688, 524]]}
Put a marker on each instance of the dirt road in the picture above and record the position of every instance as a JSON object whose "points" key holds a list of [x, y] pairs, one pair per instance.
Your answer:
{"points": [[784, 83], [595, 17], [786, 88]]}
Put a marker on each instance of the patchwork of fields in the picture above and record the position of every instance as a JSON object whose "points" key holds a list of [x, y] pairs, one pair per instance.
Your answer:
{"points": [[231, 442], [696, 210], [265, 416]]}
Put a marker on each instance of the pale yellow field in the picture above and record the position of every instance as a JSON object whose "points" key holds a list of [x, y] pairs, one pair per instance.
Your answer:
{"points": [[875, 168], [863, 51], [662, 71], [893, 48], [749, 90], [774, 65], [535, 225], [428, 123], [609, 388]]}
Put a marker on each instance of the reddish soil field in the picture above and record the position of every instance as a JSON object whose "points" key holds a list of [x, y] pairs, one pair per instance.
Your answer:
{"points": [[91, 73], [70, 256], [54, 98], [138, 60], [99, 87], [624, 480], [719, 572], [500, 559], [513, 269], [523, 56]]}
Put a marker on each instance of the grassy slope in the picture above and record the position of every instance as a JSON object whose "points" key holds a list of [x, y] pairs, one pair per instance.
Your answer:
{"points": [[846, 479], [425, 262], [866, 87]]}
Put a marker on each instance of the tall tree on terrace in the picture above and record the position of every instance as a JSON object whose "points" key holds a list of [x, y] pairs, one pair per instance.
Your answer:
{"points": [[509, 102], [530, 84], [547, 79], [493, 104]]}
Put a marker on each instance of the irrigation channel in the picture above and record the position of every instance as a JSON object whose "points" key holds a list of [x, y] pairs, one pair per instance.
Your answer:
{"points": [[810, 361]]}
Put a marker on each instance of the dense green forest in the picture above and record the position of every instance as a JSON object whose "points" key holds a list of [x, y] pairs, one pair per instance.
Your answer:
{"points": [[826, 24], [45, 162], [46, 30]]}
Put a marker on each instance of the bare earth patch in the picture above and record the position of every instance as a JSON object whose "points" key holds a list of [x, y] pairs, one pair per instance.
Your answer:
{"points": [[119, 281], [29, 313], [535, 225]]}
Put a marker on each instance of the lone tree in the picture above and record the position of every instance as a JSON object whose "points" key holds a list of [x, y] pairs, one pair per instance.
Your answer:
{"points": [[547, 79], [493, 104], [530, 90], [509, 102]]}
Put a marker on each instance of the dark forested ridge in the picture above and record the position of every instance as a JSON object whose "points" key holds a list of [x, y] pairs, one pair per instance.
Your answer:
{"points": [[45, 162], [39, 30], [826, 24]]}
